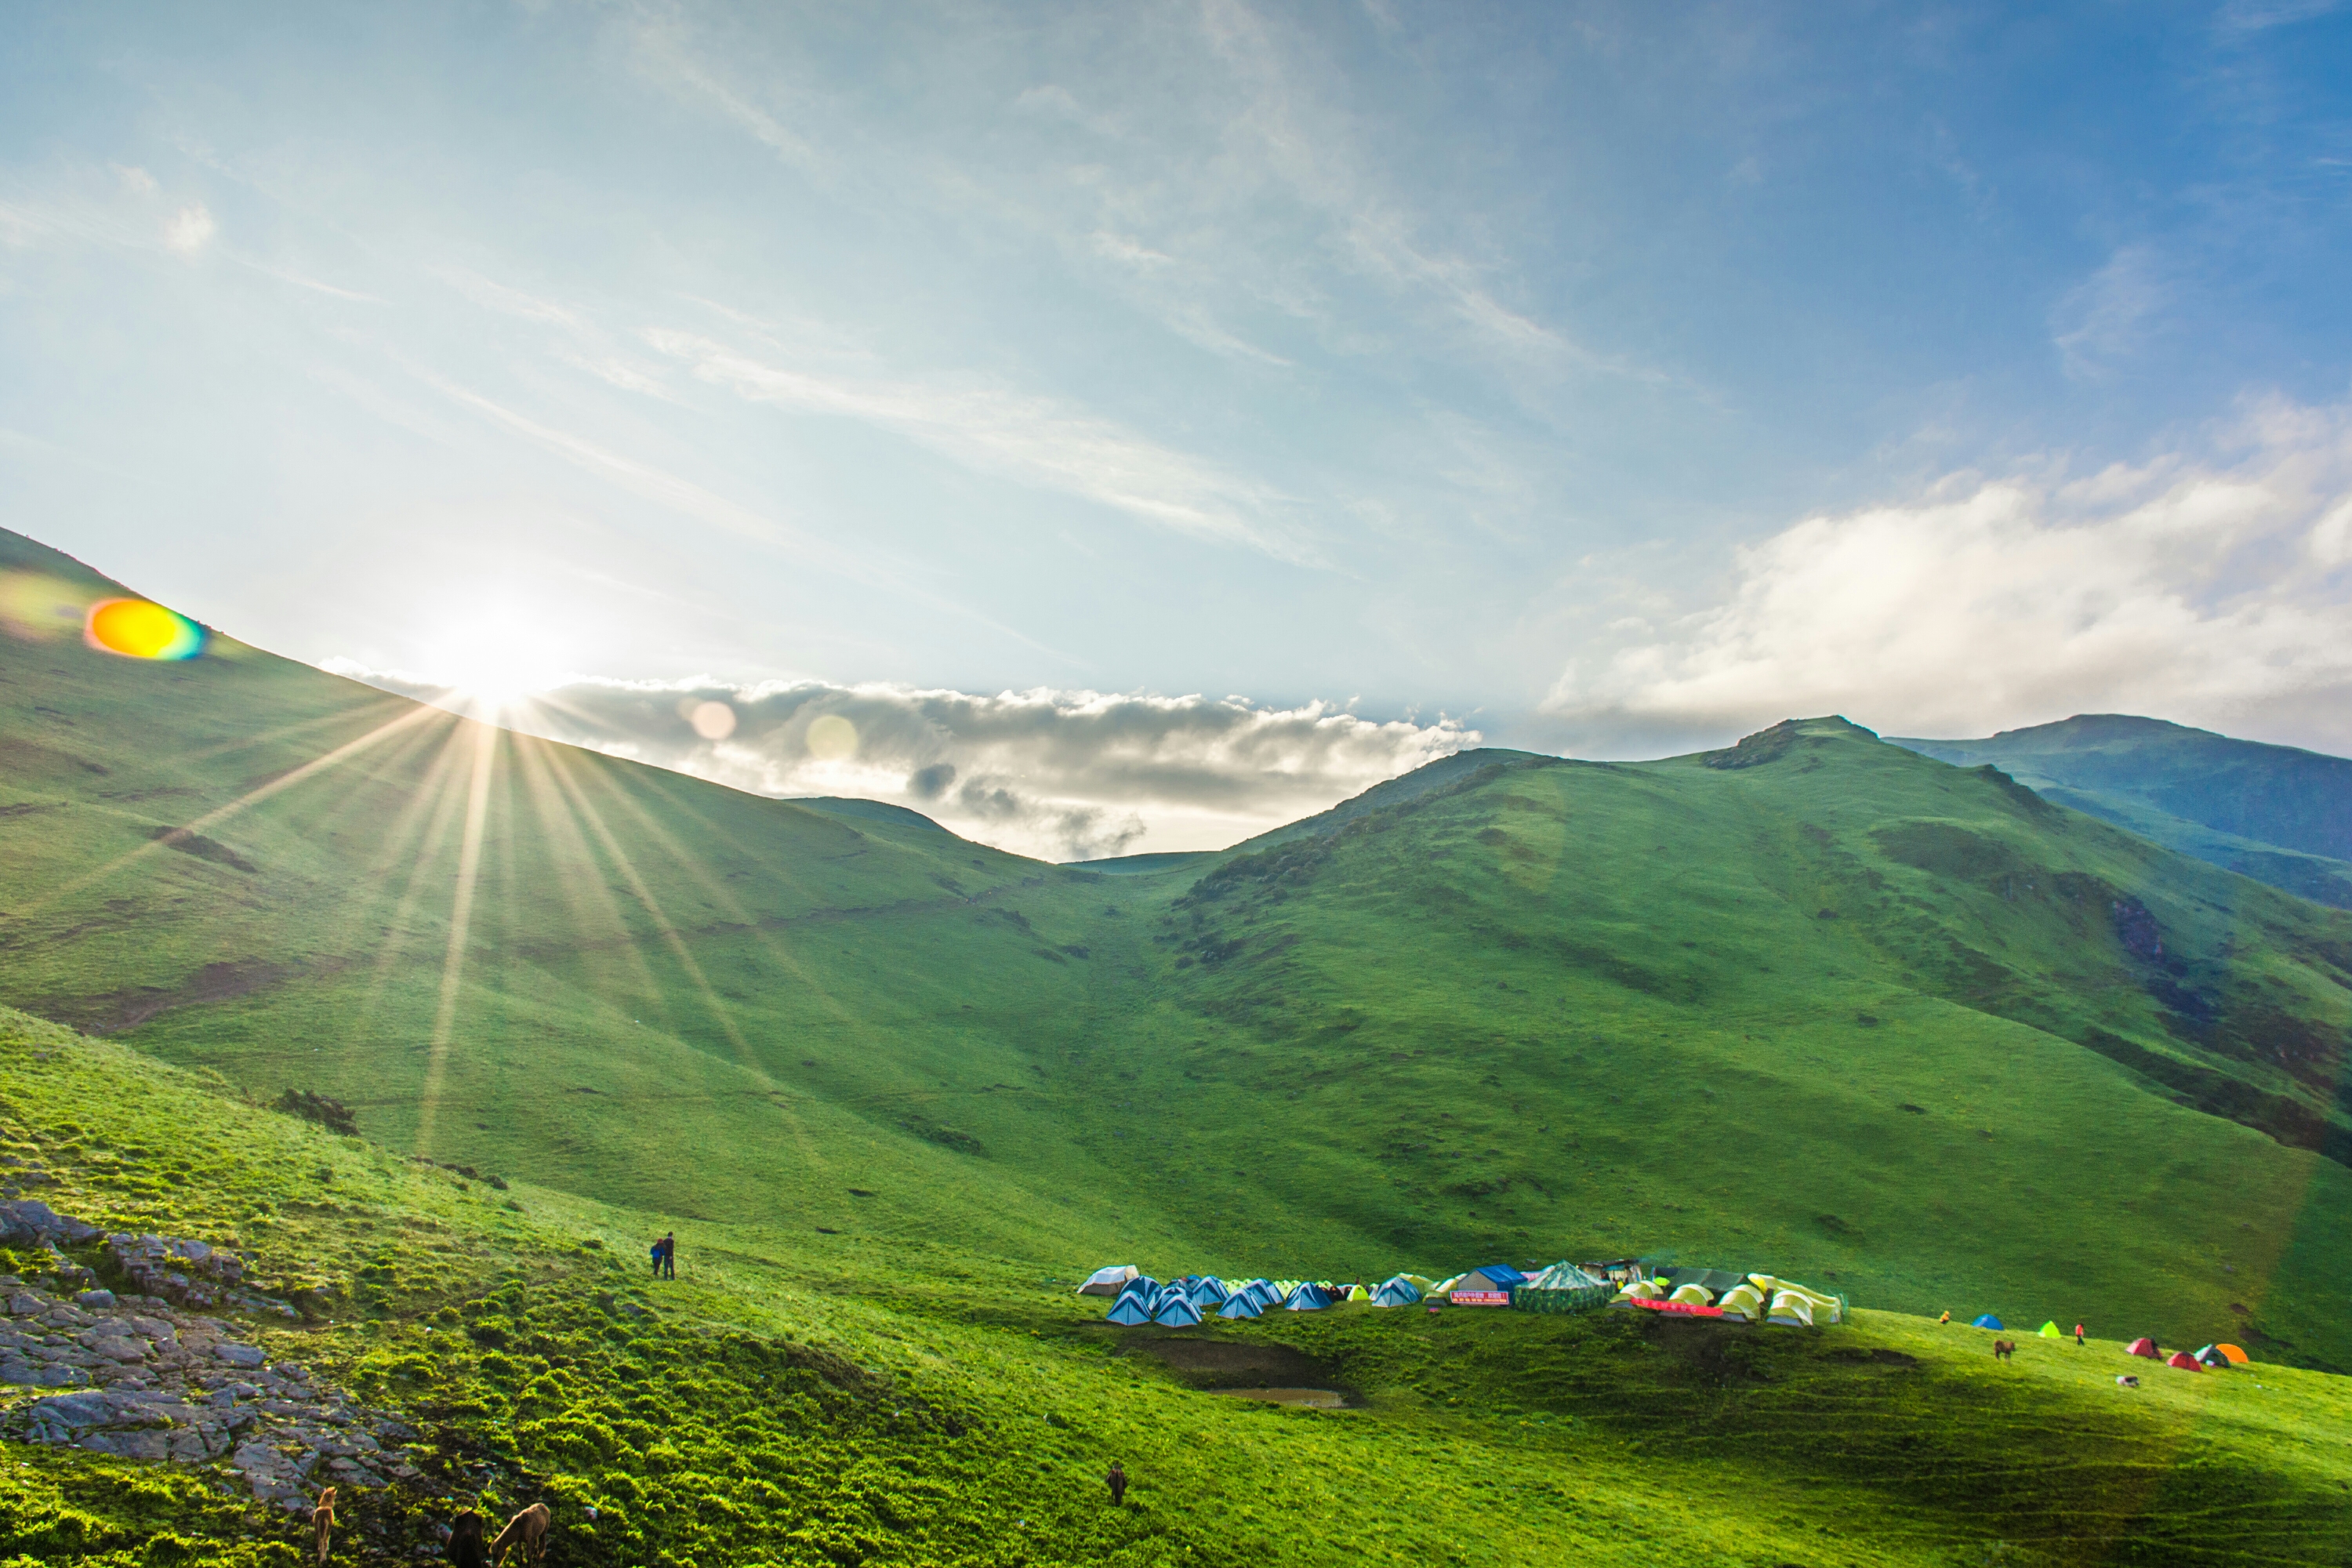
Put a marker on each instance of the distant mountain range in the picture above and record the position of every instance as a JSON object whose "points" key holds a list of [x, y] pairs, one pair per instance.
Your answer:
{"points": [[2275, 814]]}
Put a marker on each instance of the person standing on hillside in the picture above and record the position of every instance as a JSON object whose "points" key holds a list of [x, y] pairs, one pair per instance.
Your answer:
{"points": [[669, 1255], [1117, 1482], [2078, 1336], [656, 1255]]}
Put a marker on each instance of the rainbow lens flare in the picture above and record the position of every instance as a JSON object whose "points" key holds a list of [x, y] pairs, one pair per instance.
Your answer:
{"points": [[138, 629]]}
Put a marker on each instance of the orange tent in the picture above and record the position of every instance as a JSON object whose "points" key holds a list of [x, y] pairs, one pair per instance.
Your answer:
{"points": [[2237, 1357]]}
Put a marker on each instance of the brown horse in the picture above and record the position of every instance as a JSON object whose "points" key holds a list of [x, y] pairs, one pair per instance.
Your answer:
{"points": [[526, 1529], [322, 1521], [2003, 1349], [466, 1549]]}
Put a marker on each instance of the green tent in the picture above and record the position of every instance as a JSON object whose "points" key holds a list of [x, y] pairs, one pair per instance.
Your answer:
{"points": [[1562, 1287], [2050, 1331]]}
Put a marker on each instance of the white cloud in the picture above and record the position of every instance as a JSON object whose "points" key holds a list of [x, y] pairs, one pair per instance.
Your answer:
{"points": [[2183, 589], [1056, 774], [189, 230]]}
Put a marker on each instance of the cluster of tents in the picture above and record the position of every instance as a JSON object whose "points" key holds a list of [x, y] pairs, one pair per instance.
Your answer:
{"points": [[1720, 1293], [2212, 1355], [1137, 1299]]}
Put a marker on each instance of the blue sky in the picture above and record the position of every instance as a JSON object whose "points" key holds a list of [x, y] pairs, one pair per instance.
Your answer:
{"points": [[1612, 379]]}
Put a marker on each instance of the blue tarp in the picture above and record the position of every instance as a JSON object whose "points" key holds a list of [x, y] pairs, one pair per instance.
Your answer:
{"points": [[1987, 1321], [1130, 1310]]}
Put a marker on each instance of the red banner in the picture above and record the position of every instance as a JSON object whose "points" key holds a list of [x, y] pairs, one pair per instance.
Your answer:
{"points": [[1480, 1298], [1690, 1308]]}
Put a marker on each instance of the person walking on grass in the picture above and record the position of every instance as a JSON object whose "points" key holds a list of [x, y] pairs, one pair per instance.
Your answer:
{"points": [[656, 1256], [669, 1255], [1117, 1482], [2078, 1336]]}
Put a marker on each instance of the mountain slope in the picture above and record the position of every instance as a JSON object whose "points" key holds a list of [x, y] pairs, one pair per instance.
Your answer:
{"points": [[2273, 812], [1816, 1005]]}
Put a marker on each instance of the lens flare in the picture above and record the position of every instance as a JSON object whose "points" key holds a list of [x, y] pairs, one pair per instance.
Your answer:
{"points": [[712, 720], [138, 629], [831, 738]]}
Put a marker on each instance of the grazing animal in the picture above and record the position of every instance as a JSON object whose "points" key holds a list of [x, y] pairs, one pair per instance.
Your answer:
{"points": [[2003, 1349], [466, 1549], [322, 1521], [526, 1529]]}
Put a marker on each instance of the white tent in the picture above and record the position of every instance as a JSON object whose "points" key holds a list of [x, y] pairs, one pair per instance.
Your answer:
{"points": [[1107, 1281]]}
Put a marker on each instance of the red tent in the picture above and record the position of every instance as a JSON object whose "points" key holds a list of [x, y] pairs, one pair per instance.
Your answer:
{"points": [[2141, 1347], [2184, 1361]]}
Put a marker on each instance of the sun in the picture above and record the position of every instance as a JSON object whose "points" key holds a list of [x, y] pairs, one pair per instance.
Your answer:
{"points": [[496, 657]]}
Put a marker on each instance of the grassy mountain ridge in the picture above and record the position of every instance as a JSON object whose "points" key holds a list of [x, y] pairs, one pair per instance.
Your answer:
{"points": [[1813, 1004], [2276, 814]]}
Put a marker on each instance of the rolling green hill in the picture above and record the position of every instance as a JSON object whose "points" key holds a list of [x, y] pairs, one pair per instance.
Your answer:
{"points": [[1815, 1003], [2273, 812], [794, 1399]]}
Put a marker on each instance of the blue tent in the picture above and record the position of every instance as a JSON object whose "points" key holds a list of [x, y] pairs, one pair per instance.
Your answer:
{"points": [[1130, 1310], [1241, 1304], [1395, 1291], [1208, 1292], [1143, 1286], [1176, 1312], [1307, 1298], [1501, 1276], [1986, 1321]]}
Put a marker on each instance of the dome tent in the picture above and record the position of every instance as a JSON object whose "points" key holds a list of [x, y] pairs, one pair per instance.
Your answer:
{"points": [[2231, 1353], [1241, 1304], [2184, 1361], [2049, 1330], [1986, 1321], [1176, 1312], [1396, 1291], [2146, 1347], [1110, 1281], [1128, 1310]]}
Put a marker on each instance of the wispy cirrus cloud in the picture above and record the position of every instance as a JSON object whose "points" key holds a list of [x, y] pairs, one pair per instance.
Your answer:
{"points": [[1034, 440], [1054, 772]]}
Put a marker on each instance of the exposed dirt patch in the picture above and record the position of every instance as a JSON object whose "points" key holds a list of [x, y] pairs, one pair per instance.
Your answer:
{"points": [[1226, 1366], [1879, 1357], [134, 1005]]}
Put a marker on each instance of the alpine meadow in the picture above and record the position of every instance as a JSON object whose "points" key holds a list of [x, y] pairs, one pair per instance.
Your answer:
{"points": [[1813, 1004]]}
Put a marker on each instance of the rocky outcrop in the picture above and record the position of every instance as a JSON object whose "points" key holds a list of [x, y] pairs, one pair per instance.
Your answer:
{"points": [[29, 1222], [141, 1376]]}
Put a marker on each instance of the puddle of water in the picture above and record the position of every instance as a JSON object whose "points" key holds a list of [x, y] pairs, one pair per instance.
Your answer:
{"points": [[1304, 1398]]}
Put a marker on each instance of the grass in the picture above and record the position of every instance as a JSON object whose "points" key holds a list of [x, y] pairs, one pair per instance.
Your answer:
{"points": [[784, 1402]]}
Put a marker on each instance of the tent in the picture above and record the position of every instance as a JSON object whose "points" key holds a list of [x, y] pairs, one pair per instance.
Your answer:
{"points": [[2211, 1356], [1358, 1293], [1562, 1287], [2142, 1347], [1208, 1292], [1109, 1282], [1986, 1321], [1639, 1291], [1790, 1310], [1128, 1310], [1241, 1304], [1422, 1283], [1307, 1298], [2231, 1353], [1142, 1285], [2049, 1330], [1492, 1276], [1742, 1301], [1694, 1295], [1177, 1312], [2184, 1361], [1396, 1291]]}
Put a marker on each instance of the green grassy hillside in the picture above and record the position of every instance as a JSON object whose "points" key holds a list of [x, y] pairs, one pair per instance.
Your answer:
{"points": [[2273, 812], [1817, 1004], [791, 1400]]}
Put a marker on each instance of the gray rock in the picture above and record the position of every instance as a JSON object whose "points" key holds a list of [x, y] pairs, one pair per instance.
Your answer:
{"points": [[24, 1303], [140, 1445], [240, 1355], [96, 1301]]}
